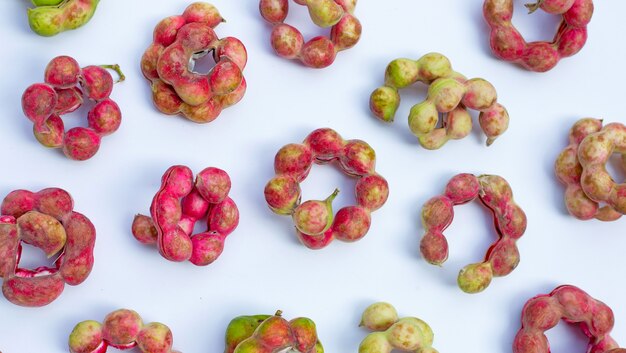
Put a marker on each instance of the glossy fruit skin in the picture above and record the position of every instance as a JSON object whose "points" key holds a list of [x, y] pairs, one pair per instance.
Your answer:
{"points": [[318, 52], [315, 224]]}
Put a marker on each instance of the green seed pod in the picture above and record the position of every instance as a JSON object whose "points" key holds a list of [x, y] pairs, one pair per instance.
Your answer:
{"points": [[241, 328], [51, 20]]}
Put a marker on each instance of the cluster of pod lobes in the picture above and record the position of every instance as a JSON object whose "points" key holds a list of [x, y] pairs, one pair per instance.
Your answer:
{"points": [[443, 115], [509, 45], [319, 52], [124, 329], [62, 93], [591, 192], [495, 193], [315, 224], [179, 203], [51, 17], [168, 63], [45, 220]]}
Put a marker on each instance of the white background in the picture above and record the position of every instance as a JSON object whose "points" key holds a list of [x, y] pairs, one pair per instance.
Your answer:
{"points": [[263, 267]]}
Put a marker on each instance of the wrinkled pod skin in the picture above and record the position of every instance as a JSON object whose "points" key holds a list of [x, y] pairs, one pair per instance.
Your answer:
{"points": [[502, 257], [540, 56], [45, 220], [53, 18], [264, 333], [318, 52], [408, 334], [315, 224], [122, 329], [572, 305], [178, 205]]}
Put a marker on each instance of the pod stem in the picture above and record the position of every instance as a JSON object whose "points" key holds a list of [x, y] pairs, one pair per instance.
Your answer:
{"points": [[533, 7], [116, 68]]}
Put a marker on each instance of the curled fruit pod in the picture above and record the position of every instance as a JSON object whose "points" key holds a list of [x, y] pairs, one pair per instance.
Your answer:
{"points": [[316, 225], [178, 205], [63, 92], [407, 334], [444, 114], [572, 305], [509, 45], [45, 220], [168, 63], [51, 17], [503, 256], [122, 329], [272, 334], [569, 171], [319, 52]]}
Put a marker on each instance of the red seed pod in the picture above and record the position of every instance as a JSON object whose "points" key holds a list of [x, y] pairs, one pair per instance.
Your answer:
{"points": [[97, 82], [508, 44], [46, 221], [81, 143], [105, 117], [510, 221], [318, 52], [62, 72], [315, 224], [351, 223], [38, 102], [178, 205], [68, 100], [572, 305], [168, 63]]}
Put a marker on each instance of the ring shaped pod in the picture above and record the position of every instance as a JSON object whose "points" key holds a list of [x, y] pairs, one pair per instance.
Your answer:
{"points": [[574, 306], [45, 220], [178, 205], [509, 45], [169, 62], [502, 257], [444, 114], [318, 52], [122, 329], [63, 92], [569, 171], [316, 226]]}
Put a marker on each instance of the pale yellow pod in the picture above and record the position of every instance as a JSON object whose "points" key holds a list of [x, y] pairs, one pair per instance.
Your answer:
{"points": [[446, 93], [434, 140], [375, 342], [433, 66], [423, 118], [458, 123]]}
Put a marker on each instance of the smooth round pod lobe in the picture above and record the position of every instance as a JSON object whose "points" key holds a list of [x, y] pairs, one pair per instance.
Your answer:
{"points": [[86, 337], [105, 117], [295, 160], [318, 53], [62, 72], [325, 144], [97, 82], [121, 327], [351, 223], [213, 184], [372, 192], [315, 217], [155, 337], [379, 316], [283, 194], [358, 158], [286, 41], [81, 143]]}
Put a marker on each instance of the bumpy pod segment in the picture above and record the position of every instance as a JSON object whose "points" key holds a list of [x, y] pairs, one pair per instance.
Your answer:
{"points": [[63, 92], [45, 220], [272, 334], [593, 154], [509, 45], [122, 329], [596, 151], [168, 63], [443, 115], [315, 224], [178, 205], [573, 305], [407, 334], [502, 257], [51, 17], [318, 52]]}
